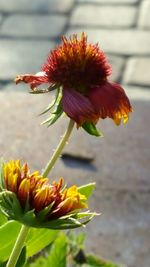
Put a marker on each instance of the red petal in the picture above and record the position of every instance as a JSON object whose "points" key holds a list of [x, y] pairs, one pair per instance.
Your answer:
{"points": [[78, 107], [110, 100], [33, 80]]}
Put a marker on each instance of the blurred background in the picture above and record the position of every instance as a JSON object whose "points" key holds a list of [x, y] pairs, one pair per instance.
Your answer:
{"points": [[119, 162]]}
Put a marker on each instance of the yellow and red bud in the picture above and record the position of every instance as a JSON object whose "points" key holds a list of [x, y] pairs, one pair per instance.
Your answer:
{"points": [[36, 202]]}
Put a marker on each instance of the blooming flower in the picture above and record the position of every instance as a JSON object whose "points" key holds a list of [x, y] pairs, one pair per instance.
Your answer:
{"points": [[32, 200], [81, 70]]}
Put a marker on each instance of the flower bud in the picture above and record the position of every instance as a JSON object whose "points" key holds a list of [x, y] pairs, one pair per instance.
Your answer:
{"points": [[30, 199]]}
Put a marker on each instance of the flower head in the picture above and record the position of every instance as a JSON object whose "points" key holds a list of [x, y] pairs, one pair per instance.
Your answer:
{"points": [[32, 200], [81, 70]]}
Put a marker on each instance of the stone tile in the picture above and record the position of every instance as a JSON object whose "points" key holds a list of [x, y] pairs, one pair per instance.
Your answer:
{"points": [[120, 2], [133, 251], [1, 18], [138, 71], [125, 216], [117, 64], [137, 92], [123, 42], [104, 16], [144, 18], [33, 26], [41, 6], [22, 57]]}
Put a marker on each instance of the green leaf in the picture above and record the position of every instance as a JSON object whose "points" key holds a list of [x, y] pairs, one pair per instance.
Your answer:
{"points": [[58, 253], [38, 239], [39, 262], [87, 189], [90, 128], [8, 234], [22, 258], [93, 261], [3, 218], [57, 256]]}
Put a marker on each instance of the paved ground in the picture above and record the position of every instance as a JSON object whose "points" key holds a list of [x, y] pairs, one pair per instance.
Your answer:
{"points": [[120, 160]]}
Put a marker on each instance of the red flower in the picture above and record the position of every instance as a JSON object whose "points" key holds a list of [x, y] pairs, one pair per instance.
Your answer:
{"points": [[81, 69]]}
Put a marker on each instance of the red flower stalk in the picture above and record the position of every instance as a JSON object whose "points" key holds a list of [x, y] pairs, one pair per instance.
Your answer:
{"points": [[82, 70]]}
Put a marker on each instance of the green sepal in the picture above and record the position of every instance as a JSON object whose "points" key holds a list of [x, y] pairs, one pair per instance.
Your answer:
{"points": [[43, 91], [29, 218], [10, 205], [2, 184], [55, 114], [90, 128], [43, 213], [53, 103], [82, 215]]}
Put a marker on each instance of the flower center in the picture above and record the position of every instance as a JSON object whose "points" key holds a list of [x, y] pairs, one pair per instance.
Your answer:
{"points": [[77, 64]]}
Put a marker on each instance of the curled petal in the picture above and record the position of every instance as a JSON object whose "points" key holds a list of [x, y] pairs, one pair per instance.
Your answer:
{"points": [[33, 80], [24, 190], [78, 107], [40, 199], [110, 100]]}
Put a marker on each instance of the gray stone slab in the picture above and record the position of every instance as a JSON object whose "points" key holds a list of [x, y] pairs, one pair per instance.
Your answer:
{"points": [[1, 18], [117, 64], [22, 57], [144, 18], [11, 87], [36, 6], [33, 26], [138, 71], [120, 2], [137, 92], [123, 42], [122, 231], [104, 16], [120, 167]]}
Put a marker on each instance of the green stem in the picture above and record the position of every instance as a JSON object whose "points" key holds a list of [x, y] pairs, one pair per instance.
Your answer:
{"points": [[18, 246], [59, 149]]}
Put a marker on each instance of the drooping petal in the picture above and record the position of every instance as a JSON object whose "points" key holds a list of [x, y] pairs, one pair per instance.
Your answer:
{"points": [[110, 100], [78, 107], [33, 80]]}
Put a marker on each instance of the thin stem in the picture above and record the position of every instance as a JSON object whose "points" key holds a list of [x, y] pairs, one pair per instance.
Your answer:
{"points": [[18, 246], [59, 149]]}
